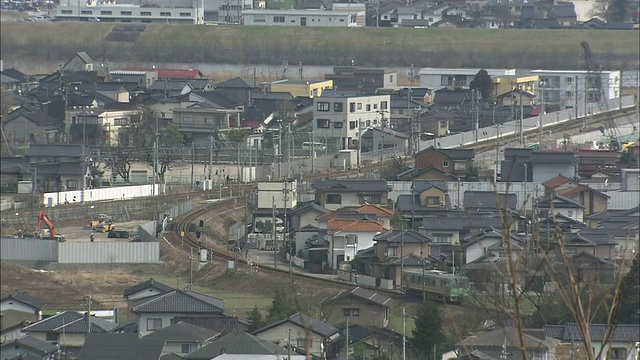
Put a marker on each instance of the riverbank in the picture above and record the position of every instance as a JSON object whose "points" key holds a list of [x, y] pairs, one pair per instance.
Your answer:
{"points": [[511, 48]]}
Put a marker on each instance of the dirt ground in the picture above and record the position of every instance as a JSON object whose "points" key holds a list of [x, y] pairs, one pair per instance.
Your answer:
{"points": [[81, 233]]}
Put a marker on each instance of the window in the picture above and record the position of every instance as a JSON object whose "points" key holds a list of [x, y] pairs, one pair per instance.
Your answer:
{"points": [[443, 124], [346, 312], [618, 353], [337, 107], [145, 13], [187, 119], [165, 13], [369, 198], [390, 78], [353, 125], [185, 348], [323, 123], [125, 12], [383, 105], [154, 324], [51, 336], [278, 19], [459, 165], [392, 251], [569, 213], [337, 125], [323, 106], [72, 184], [443, 238], [86, 12], [445, 163], [120, 122], [355, 312], [368, 107], [352, 107], [375, 106], [352, 239], [569, 80], [105, 12], [359, 106], [334, 199], [67, 11], [433, 200], [185, 14]]}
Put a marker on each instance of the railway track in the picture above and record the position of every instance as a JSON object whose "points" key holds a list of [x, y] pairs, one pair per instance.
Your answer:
{"points": [[189, 224]]}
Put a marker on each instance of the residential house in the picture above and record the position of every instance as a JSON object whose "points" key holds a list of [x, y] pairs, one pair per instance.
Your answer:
{"points": [[171, 88], [145, 78], [341, 117], [586, 269], [144, 289], [451, 99], [60, 166], [457, 162], [182, 338], [157, 312], [494, 342], [593, 200], [536, 166], [239, 343], [566, 224], [516, 98], [302, 88], [68, 329], [593, 161], [19, 301], [346, 236], [100, 346], [489, 246], [305, 214], [621, 343], [81, 61], [361, 306], [564, 13], [381, 213], [238, 89], [383, 138], [377, 341], [200, 120], [598, 244], [399, 248], [403, 13], [428, 173], [559, 204], [427, 197], [362, 79], [27, 347], [222, 324], [448, 231], [453, 78], [14, 80], [489, 201], [26, 126], [335, 194], [322, 341]]}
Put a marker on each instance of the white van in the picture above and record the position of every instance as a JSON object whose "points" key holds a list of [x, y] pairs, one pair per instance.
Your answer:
{"points": [[317, 146]]}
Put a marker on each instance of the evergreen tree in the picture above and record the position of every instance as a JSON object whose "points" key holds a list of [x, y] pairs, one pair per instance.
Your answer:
{"points": [[482, 83], [281, 307], [428, 333], [255, 319], [628, 311]]}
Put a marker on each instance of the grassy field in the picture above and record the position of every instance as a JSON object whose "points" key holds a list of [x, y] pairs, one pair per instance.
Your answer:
{"points": [[324, 46]]}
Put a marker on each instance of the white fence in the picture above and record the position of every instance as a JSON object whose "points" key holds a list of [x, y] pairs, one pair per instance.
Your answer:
{"points": [[79, 253], [511, 128], [102, 194]]}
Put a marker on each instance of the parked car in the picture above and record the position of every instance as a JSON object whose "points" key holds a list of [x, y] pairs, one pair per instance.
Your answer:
{"points": [[94, 19]]}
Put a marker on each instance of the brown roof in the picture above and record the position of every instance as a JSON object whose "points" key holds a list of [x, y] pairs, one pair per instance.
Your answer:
{"points": [[598, 153], [375, 210], [556, 181], [578, 189], [336, 225]]}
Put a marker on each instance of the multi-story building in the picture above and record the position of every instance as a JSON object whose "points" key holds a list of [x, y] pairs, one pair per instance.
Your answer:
{"points": [[311, 18], [340, 118], [175, 12], [302, 88], [361, 79], [438, 78]]}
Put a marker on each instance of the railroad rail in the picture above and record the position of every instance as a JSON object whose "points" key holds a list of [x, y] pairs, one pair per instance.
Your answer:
{"points": [[188, 224]]}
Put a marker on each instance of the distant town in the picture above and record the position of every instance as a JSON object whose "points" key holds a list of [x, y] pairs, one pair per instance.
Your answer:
{"points": [[372, 213]]}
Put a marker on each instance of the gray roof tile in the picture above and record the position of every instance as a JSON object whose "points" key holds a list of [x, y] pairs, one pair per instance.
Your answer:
{"points": [[33, 343], [490, 200], [369, 186], [54, 322], [237, 343], [407, 236], [182, 331], [305, 321], [179, 301], [461, 222], [25, 299], [150, 284], [120, 347], [569, 332]]}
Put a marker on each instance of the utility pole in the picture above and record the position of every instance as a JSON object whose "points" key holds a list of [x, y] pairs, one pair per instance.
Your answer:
{"points": [[542, 84], [191, 268], [312, 148], [347, 336], [210, 155], [424, 295], [155, 158], [575, 106], [286, 230], [289, 346], [193, 160], [402, 257], [89, 315], [404, 333], [275, 243]]}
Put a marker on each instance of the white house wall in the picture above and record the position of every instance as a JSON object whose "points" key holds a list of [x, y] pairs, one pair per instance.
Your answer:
{"points": [[280, 333]]}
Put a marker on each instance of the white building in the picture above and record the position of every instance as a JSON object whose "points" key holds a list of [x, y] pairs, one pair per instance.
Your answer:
{"points": [[272, 193], [438, 78], [311, 18], [185, 12], [342, 118]]}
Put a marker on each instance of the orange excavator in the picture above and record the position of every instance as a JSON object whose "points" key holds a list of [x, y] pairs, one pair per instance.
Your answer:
{"points": [[51, 233]]}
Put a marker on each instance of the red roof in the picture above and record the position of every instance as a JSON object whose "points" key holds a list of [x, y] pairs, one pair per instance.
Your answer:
{"points": [[336, 225], [556, 181], [374, 210]]}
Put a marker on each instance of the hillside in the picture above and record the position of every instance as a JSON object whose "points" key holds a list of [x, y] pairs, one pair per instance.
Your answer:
{"points": [[319, 46]]}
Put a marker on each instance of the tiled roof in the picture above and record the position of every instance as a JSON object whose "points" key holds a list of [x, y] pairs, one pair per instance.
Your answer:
{"points": [[407, 236], [336, 225], [85, 57], [422, 185], [121, 347], [98, 325], [62, 150], [54, 322], [556, 181], [460, 223], [552, 157], [345, 214], [151, 283], [36, 116], [409, 203], [558, 201], [368, 186], [580, 188], [569, 332], [499, 337], [182, 331], [364, 294], [489, 199], [305, 321], [179, 301], [411, 260], [459, 154], [236, 343], [304, 206], [33, 343], [375, 209], [235, 83], [25, 299], [179, 73], [223, 324]]}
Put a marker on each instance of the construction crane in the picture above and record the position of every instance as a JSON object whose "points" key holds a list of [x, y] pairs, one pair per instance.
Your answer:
{"points": [[594, 78]]}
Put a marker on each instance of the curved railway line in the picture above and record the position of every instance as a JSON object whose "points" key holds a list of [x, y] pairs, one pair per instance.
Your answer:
{"points": [[188, 224]]}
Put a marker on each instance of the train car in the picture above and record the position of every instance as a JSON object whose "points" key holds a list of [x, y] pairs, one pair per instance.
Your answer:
{"points": [[437, 284]]}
